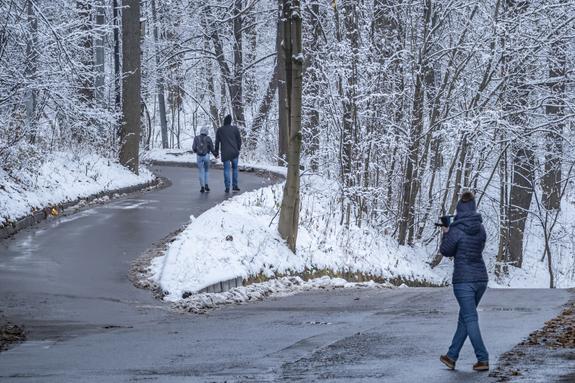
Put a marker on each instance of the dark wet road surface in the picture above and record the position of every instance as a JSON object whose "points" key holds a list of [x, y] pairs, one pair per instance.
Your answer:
{"points": [[66, 281]]}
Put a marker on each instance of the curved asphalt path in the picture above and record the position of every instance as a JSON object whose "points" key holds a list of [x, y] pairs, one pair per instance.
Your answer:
{"points": [[66, 281]]}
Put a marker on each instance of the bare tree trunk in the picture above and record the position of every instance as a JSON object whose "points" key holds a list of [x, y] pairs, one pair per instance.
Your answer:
{"points": [[160, 80], [31, 69], [523, 158], [283, 116], [555, 110], [148, 137], [521, 195], [349, 125], [130, 137], [289, 213], [236, 86], [214, 116], [212, 100], [179, 131], [459, 173], [314, 88], [117, 74], [87, 88], [251, 38], [263, 111], [99, 48], [388, 42], [411, 178], [503, 250], [234, 80]]}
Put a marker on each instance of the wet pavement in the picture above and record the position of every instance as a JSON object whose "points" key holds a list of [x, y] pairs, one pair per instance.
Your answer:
{"points": [[66, 281]]}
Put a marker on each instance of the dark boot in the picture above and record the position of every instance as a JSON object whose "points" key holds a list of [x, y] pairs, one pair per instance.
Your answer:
{"points": [[202, 190], [227, 190], [207, 188], [481, 366], [450, 363], [236, 189]]}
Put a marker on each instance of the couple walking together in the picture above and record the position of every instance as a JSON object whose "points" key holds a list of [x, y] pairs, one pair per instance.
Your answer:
{"points": [[228, 136]]}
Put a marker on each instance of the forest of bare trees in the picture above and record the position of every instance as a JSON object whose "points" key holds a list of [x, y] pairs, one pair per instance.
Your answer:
{"points": [[405, 102]]}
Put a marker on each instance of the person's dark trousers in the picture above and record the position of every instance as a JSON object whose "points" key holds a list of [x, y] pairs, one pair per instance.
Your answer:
{"points": [[468, 296], [234, 165]]}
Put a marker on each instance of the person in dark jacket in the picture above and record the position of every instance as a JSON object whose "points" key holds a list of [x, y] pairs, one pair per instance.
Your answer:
{"points": [[203, 146], [229, 138], [464, 240]]}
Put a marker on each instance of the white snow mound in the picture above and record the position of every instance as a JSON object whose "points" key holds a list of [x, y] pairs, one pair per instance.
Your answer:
{"points": [[239, 238], [62, 177]]}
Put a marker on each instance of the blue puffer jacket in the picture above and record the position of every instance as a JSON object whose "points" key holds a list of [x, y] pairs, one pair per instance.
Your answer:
{"points": [[465, 241]]}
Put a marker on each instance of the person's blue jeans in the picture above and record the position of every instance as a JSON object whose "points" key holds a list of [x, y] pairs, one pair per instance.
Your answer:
{"points": [[203, 168], [468, 296], [234, 165]]}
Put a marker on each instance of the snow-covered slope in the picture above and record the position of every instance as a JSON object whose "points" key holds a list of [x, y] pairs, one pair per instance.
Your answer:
{"points": [[239, 238], [62, 177]]}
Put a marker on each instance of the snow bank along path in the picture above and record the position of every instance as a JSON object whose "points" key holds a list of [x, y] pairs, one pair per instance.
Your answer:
{"points": [[63, 180], [238, 239], [323, 244]]}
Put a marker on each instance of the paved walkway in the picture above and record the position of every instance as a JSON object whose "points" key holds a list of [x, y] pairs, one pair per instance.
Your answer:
{"points": [[66, 281]]}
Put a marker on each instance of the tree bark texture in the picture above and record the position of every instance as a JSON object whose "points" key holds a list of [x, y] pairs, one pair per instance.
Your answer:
{"points": [[131, 82], [289, 214]]}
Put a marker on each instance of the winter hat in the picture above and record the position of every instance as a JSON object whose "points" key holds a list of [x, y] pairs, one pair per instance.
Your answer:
{"points": [[466, 203], [204, 130], [228, 120]]}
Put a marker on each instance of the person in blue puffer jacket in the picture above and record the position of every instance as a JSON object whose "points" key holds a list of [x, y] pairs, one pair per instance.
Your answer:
{"points": [[464, 240]]}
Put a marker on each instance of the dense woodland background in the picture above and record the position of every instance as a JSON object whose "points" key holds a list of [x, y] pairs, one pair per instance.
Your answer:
{"points": [[405, 102]]}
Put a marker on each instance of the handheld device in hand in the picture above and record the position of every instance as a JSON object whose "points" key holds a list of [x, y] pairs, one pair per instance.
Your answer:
{"points": [[444, 221]]}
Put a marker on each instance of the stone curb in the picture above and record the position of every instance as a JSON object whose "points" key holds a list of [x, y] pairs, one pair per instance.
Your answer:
{"points": [[58, 210], [221, 287]]}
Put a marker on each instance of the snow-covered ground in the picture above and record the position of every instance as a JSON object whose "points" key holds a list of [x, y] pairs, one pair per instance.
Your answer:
{"points": [[185, 156], [534, 272], [239, 238], [62, 177], [169, 155]]}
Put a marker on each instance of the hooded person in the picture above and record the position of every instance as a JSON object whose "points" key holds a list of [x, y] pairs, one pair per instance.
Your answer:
{"points": [[228, 136], [203, 146], [464, 241]]}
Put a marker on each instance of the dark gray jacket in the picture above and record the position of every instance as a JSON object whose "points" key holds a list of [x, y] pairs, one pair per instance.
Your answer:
{"points": [[229, 137], [203, 145], [465, 241]]}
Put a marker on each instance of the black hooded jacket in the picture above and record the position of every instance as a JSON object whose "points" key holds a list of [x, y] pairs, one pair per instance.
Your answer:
{"points": [[465, 241], [230, 139]]}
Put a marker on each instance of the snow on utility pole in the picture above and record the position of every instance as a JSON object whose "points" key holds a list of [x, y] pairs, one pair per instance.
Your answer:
{"points": [[292, 48], [130, 135]]}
